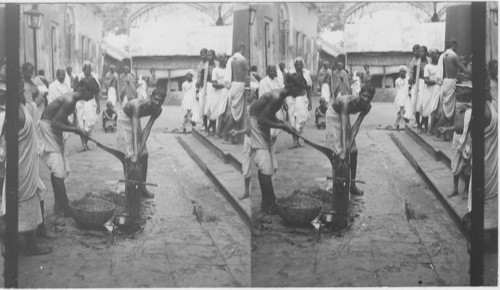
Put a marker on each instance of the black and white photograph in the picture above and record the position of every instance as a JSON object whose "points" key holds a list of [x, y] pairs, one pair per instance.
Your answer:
{"points": [[240, 144]]}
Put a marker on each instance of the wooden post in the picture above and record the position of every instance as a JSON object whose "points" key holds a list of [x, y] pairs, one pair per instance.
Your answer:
{"points": [[132, 195], [383, 77], [478, 19], [11, 26], [340, 193]]}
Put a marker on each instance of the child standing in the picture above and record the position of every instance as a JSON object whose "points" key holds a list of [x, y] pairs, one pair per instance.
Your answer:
{"points": [[109, 118], [320, 114], [189, 103], [402, 100]]}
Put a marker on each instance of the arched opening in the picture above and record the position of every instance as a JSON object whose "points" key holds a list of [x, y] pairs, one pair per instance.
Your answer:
{"points": [[284, 31], [69, 30]]}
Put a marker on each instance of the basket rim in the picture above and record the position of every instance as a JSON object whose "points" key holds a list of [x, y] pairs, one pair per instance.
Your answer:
{"points": [[75, 203], [314, 201]]}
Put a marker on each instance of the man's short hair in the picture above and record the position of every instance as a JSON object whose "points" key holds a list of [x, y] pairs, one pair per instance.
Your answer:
{"points": [[253, 68], [463, 94], [159, 92], [152, 69], [298, 59], [239, 46], [60, 71], [369, 89], [88, 85], [27, 65], [41, 72], [452, 41], [270, 67], [295, 81], [203, 50], [87, 63], [416, 47]]}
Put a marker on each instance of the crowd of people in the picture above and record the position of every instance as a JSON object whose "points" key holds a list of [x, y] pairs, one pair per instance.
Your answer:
{"points": [[437, 93], [49, 113], [279, 101]]}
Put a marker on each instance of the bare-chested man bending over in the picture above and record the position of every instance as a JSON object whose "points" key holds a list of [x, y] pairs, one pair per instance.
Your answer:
{"points": [[340, 135], [262, 119], [131, 138], [54, 121]]}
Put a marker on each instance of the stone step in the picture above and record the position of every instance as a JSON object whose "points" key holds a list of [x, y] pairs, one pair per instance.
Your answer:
{"points": [[228, 153], [436, 174], [439, 150], [228, 180]]}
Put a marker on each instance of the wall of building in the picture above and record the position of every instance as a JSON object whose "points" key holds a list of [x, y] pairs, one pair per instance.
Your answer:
{"points": [[270, 44], [55, 47]]}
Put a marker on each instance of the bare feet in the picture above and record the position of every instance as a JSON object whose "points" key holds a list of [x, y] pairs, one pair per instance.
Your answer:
{"points": [[455, 192], [63, 211], [147, 194], [42, 233], [356, 191], [83, 149]]}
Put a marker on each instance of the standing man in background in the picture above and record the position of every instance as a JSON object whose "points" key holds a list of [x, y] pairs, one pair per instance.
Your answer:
{"points": [[152, 82], [324, 79]]}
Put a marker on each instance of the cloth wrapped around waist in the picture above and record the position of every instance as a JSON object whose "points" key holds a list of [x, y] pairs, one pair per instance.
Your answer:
{"points": [[51, 140], [261, 135], [125, 135]]}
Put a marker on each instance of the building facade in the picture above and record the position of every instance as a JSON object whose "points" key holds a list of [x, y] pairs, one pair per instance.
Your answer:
{"points": [[282, 32], [171, 52], [363, 47], [70, 34]]}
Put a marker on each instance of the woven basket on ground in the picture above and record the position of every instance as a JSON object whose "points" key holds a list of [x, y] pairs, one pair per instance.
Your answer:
{"points": [[92, 212], [299, 211]]}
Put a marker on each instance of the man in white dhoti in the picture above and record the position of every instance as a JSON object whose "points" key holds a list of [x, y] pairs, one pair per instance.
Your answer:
{"points": [[31, 92], [267, 84], [298, 108], [339, 82], [151, 81], [447, 71], [236, 71], [490, 168], [111, 84], [493, 72], [142, 92], [69, 80], [87, 112], [126, 86], [58, 87], [219, 95], [30, 187], [54, 121], [324, 79]]}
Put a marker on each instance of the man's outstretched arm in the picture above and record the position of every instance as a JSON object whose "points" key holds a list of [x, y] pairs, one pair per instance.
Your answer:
{"points": [[147, 129], [355, 127], [60, 120], [272, 122]]}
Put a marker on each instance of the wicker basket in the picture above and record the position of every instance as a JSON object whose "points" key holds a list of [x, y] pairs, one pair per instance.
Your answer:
{"points": [[92, 212], [299, 211]]}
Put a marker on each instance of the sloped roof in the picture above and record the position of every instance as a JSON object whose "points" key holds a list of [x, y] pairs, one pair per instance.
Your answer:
{"points": [[400, 37], [114, 52], [329, 48], [181, 40]]}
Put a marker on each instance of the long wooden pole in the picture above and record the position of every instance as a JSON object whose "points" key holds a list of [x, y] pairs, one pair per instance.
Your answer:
{"points": [[12, 30], [478, 19]]}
